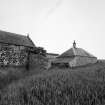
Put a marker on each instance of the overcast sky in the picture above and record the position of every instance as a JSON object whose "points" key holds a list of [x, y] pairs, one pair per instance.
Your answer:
{"points": [[55, 24]]}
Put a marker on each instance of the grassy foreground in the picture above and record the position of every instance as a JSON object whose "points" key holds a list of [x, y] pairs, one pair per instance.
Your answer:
{"points": [[58, 87]]}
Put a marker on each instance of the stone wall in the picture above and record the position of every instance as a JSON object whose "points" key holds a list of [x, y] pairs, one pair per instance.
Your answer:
{"points": [[12, 55], [80, 61], [51, 57], [37, 61]]}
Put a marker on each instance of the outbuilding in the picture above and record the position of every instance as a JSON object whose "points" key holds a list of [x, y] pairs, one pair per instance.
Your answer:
{"points": [[74, 57], [14, 49]]}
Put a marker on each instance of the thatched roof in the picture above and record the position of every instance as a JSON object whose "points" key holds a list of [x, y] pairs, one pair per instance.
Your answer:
{"points": [[16, 39], [76, 52]]}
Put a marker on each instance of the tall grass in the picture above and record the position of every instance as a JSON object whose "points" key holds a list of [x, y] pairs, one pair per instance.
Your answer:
{"points": [[56, 87]]}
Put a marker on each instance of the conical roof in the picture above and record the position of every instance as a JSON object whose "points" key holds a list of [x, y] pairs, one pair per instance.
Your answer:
{"points": [[72, 52]]}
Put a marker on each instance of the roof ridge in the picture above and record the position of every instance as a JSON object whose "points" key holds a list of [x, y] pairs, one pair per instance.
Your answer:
{"points": [[74, 51], [13, 33], [15, 39], [91, 55], [30, 40]]}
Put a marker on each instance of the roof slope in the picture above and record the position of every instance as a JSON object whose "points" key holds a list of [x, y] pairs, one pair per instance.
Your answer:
{"points": [[76, 52], [12, 38], [63, 60]]}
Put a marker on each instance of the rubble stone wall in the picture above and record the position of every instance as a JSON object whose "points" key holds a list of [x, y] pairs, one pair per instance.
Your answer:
{"points": [[12, 55]]}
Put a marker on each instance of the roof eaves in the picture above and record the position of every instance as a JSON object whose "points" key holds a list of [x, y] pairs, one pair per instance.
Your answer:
{"points": [[52, 54]]}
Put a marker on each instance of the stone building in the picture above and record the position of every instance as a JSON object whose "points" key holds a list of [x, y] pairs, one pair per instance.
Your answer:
{"points": [[15, 49], [74, 57], [51, 57]]}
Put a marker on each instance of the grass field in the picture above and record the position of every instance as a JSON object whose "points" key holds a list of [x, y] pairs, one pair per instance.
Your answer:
{"points": [[58, 86]]}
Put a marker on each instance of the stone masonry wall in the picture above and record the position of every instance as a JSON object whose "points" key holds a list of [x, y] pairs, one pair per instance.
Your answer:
{"points": [[80, 61], [37, 61], [12, 55]]}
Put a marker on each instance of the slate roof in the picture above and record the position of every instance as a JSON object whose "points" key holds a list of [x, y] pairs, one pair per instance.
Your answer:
{"points": [[16, 39], [76, 52]]}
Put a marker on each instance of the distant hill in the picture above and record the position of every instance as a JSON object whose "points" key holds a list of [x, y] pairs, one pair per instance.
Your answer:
{"points": [[58, 86]]}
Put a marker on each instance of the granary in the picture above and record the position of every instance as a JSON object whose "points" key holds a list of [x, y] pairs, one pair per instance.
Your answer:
{"points": [[74, 57], [15, 49]]}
